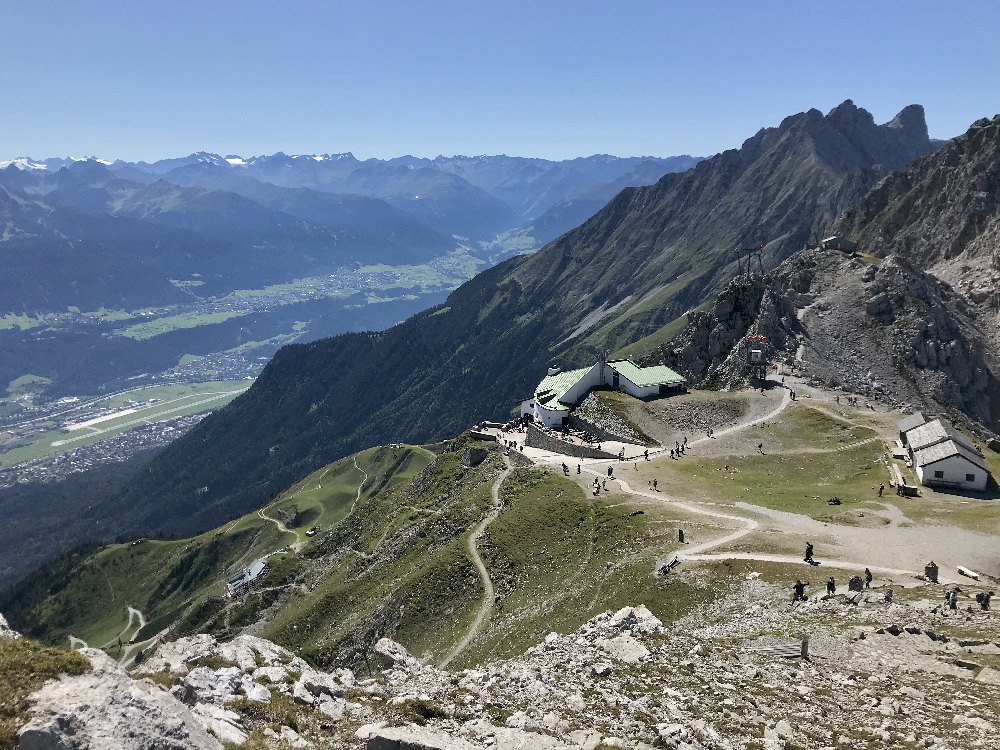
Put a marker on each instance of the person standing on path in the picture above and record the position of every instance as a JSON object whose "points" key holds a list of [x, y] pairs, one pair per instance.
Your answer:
{"points": [[831, 587], [809, 553], [868, 578], [654, 486], [881, 489], [760, 447], [799, 591]]}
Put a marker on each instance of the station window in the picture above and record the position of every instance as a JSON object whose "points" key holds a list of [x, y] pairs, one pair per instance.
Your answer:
{"points": [[939, 475], [970, 477]]}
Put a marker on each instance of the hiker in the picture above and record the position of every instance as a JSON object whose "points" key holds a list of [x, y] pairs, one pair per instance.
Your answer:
{"points": [[831, 587], [654, 485], [671, 452], [565, 470], [605, 485], [888, 596], [881, 489], [685, 441], [760, 447], [809, 553], [984, 600], [578, 468], [621, 455], [868, 578], [611, 471], [645, 454], [677, 445], [799, 591], [952, 598]]}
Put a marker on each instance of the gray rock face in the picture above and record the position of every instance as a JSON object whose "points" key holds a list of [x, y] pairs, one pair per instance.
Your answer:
{"points": [[712, 349], [391, 655], [106, 709], [6, 631]]}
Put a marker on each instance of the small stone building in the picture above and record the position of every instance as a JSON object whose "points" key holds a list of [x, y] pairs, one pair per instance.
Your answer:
{"points": [[942, 456]]}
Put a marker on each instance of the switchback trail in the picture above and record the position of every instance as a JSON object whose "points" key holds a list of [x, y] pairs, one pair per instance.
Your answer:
{"points": [[489, 597]]}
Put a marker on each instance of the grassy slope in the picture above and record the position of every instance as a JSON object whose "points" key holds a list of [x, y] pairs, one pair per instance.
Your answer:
{"points": [[395, 563], [170, 580], [398, 568], [808, 459], [558, 557]]}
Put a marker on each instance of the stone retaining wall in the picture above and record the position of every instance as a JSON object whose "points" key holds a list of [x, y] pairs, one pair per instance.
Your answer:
{"points": [[536, 438], [601, 434]]}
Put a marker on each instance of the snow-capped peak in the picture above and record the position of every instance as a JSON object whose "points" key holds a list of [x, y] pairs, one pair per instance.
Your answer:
{"points": [[22, 162], [236, 161]]}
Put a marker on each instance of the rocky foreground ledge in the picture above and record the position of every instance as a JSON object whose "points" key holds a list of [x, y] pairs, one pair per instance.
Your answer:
{"points": [[880, 674]]}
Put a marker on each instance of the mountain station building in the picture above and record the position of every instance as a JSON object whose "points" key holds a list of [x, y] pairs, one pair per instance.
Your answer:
{"points": [[558, 392], [941, 455], [240, 583]]}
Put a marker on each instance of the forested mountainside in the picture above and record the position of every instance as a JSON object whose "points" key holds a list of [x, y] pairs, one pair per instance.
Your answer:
{"points": [[625, 274]]}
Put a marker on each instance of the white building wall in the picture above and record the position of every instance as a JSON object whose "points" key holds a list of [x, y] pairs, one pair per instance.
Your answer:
{"points": [[528, 407], [589, 381], [637, 391], [954, 470], [549, 417]]}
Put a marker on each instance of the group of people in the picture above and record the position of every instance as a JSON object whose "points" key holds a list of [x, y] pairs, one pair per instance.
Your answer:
{"points": [[600, 484], [679, 448]]}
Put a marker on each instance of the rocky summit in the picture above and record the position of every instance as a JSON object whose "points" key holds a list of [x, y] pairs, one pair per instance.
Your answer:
{"points": [[750, 669]]}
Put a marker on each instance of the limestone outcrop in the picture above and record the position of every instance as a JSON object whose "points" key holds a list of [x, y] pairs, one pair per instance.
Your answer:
{"points": [[106, 709]]}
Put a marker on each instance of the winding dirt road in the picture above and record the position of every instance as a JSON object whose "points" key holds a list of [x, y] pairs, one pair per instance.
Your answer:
{"points": [[699, 552], [489, 597]]}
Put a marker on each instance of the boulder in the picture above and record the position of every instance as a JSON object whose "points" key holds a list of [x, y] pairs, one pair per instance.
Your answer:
{"points": [[204, 685], [105, 709], [258, 694], [332, 708], [221, 722], [518, 739], [321, 684], [625, 648], [414, 738], [391, 655], [637, 619]]}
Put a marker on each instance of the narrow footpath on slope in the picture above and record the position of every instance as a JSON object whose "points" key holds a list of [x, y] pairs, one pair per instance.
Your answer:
{"points": [[489, 597]]}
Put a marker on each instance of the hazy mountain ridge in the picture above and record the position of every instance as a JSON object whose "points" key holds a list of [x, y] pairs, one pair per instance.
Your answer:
{"points": [[472, 196]]}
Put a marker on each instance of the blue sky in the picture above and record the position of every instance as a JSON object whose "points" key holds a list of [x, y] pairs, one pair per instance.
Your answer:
{"points": [[144, 79]]}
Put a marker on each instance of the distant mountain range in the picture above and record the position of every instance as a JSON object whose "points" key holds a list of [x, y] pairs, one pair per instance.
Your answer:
{"points": [[621, 281], [93, 233]]}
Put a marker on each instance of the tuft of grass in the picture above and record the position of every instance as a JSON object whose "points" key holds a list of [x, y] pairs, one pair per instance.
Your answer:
{"points": [[25, 666]]}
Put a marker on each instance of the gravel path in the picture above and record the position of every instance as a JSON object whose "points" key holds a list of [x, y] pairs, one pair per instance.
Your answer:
{"points": [[489, 597]]}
